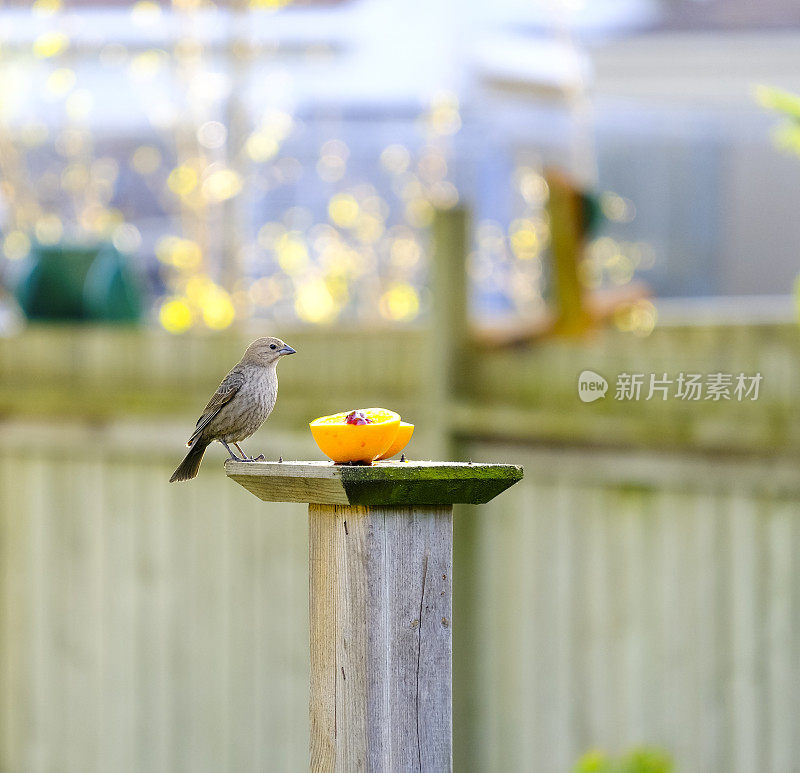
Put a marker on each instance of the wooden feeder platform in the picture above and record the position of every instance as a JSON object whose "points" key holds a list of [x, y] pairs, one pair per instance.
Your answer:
{"points": [[380, 602], [382, 483]]}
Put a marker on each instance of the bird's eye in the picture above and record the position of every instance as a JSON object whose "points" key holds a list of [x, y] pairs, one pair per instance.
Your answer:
{"points": [[273, 346]]}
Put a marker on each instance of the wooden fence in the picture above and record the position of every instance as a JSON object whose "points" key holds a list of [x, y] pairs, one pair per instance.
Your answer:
{"points": [[641, 585], [621, 601]]}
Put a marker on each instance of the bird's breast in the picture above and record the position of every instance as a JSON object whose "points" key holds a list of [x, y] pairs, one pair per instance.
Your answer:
{"points": [[250, 408], [261, 392]]}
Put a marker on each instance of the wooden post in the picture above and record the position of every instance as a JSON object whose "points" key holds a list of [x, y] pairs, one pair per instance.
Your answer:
{"points": [[380, 598], [449, 331], [566, 207]]}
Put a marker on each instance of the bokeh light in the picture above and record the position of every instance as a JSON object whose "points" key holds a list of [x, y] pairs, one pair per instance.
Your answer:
{"points": [[183, 180], [48, 229], [343, 210], [146, 159], [315, 303], [239, 202], [222, 184], [50, 44], [212, 135], [175, 315], [46, 7], [638, 318], [16, 245], [400, 303]]}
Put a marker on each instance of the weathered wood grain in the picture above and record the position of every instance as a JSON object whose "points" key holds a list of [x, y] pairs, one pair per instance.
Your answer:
{"points": [[381, 601], [384, 483], [17, 664]]}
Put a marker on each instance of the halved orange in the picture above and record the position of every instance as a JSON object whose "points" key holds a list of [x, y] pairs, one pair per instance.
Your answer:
{"points": [[400, 442], [343, 442]]}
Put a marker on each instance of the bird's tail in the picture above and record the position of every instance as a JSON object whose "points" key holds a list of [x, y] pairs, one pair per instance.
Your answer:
{"points": [[188, 468]]}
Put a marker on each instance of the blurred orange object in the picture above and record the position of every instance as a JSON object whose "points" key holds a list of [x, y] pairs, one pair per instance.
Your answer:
{"points": [[356, 442]]}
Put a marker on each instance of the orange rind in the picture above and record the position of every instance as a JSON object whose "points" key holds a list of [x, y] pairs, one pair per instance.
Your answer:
{"points": [[404, 434], [361, 443]]}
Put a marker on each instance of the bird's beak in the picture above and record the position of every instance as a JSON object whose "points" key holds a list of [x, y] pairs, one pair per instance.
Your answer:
{"points": [[287, 350]]}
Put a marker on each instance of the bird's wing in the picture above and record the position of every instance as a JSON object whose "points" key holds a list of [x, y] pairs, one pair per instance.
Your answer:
{"points": [[224, 394]]}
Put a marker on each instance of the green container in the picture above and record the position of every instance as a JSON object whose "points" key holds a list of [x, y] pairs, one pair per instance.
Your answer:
{"points": [[72, 283]]}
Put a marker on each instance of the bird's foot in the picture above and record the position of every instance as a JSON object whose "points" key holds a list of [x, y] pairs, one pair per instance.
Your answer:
{"points": [[259, 458]]}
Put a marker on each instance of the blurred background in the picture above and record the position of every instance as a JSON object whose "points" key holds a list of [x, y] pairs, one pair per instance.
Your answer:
{"points": [[450, 210]]}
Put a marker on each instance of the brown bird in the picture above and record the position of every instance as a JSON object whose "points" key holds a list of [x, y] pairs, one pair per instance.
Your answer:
{"points": [[241, 404]]}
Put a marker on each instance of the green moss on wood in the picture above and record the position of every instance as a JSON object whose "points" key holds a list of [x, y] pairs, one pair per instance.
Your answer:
{"points": [[430, 485], [412, 471]]}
